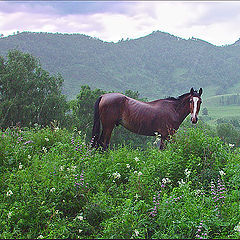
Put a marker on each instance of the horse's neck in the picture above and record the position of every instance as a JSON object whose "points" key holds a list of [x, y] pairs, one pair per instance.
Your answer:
{"points": [[183, 110]]}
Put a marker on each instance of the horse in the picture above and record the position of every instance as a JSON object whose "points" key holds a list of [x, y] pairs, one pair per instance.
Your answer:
{"points": [[162, 116]]}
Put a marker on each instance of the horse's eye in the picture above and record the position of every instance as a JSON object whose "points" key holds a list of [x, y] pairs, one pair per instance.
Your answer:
{"points": [[190, 100]]}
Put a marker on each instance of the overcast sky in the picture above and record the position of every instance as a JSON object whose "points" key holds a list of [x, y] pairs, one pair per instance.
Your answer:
{"points": [[212, 21]]}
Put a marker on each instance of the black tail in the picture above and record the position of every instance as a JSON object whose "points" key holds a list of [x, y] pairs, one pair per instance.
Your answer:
{"points": [[96, 124]]}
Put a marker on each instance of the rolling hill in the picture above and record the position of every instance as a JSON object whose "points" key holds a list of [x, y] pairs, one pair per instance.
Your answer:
{"points": [[156, 65]]}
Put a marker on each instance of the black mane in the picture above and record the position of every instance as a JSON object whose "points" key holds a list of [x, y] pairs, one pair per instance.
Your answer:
{"points": [[179, 98]]}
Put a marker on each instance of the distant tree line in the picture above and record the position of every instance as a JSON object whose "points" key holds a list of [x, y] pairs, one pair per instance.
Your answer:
{"points": [[229, 100]]}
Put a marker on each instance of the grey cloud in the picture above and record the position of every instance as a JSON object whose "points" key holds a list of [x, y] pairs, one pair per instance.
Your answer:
{"points": [[27, 7], [66, 8], [217, 12]]}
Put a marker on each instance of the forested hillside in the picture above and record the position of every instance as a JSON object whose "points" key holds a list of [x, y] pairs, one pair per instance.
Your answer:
{"points": [[156, 65]]}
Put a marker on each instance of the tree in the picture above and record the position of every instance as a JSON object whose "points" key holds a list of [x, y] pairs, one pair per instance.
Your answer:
{"points": [[83, 108], [29, 94], [205, 111]]}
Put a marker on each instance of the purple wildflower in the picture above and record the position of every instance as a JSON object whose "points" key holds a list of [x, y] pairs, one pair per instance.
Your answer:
{"points": [[218, 194], [72, 140], [199, 233], [80, 181]]}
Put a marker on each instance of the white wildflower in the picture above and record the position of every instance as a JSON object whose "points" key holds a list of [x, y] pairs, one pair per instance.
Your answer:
{"points": [[52, 189], [20, 166], [56, 129], [137, 196], [44, 149], [46, 139], [181, 183], [139, 174], [9, 193], [9, 214], [187, 172], [197, 192], [231, 145], [40, 237], [29, 156], [74, 168], [136, 159], [221, 172], [166, 180], [158, 137], [237, 228], [61, 168], [80, 218], [136, 232], [80, 230], [116, 175], [127, 165]]}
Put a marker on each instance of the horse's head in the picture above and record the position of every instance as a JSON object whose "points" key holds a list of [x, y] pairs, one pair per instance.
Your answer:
{"points": [[195, 102]]}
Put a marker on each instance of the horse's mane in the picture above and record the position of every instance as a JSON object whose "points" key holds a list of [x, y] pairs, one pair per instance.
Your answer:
{"points": [[179, 98]]}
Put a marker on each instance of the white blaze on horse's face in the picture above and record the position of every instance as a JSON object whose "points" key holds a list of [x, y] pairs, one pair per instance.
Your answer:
{"points": [[194, 107]]}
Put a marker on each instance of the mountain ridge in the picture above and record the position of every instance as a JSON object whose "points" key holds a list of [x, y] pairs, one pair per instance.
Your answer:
{"points": [[156, 65]]}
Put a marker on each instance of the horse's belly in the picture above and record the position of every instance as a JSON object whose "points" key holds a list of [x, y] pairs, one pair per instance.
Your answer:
{"points": [[139, 128]]}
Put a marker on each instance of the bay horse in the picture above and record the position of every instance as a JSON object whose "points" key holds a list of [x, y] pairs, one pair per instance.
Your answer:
{"points": [[162, 116]]}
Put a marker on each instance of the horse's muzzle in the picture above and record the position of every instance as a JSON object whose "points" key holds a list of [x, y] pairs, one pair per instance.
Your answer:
{"points": [[194, 120]]}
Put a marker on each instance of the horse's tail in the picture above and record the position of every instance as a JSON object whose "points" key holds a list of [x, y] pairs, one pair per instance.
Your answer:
{"points": [[96, 124]]}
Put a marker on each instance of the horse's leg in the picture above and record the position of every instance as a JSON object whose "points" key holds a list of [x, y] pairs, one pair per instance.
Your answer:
{"points": [[164, 138], [163, 141], [166, 135], [162, 144], [101, 139], [106, 136]]}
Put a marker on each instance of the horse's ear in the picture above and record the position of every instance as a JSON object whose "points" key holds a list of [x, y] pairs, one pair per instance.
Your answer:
{"points": [[192, 91], [200, 91]]}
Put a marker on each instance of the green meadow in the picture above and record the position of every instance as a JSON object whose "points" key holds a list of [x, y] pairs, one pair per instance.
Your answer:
{"points": [[52, 185], [221, 108]]}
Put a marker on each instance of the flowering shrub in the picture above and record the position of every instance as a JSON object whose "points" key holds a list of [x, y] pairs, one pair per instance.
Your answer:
{"points": [[53, 185], [198, 152]]}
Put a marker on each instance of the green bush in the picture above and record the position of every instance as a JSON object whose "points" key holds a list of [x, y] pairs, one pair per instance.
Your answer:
{"points": [[194, 149]]}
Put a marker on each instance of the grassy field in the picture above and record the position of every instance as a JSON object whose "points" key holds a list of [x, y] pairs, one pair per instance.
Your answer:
{"points": [[52, 186], [220, 107], [222, 112]]}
